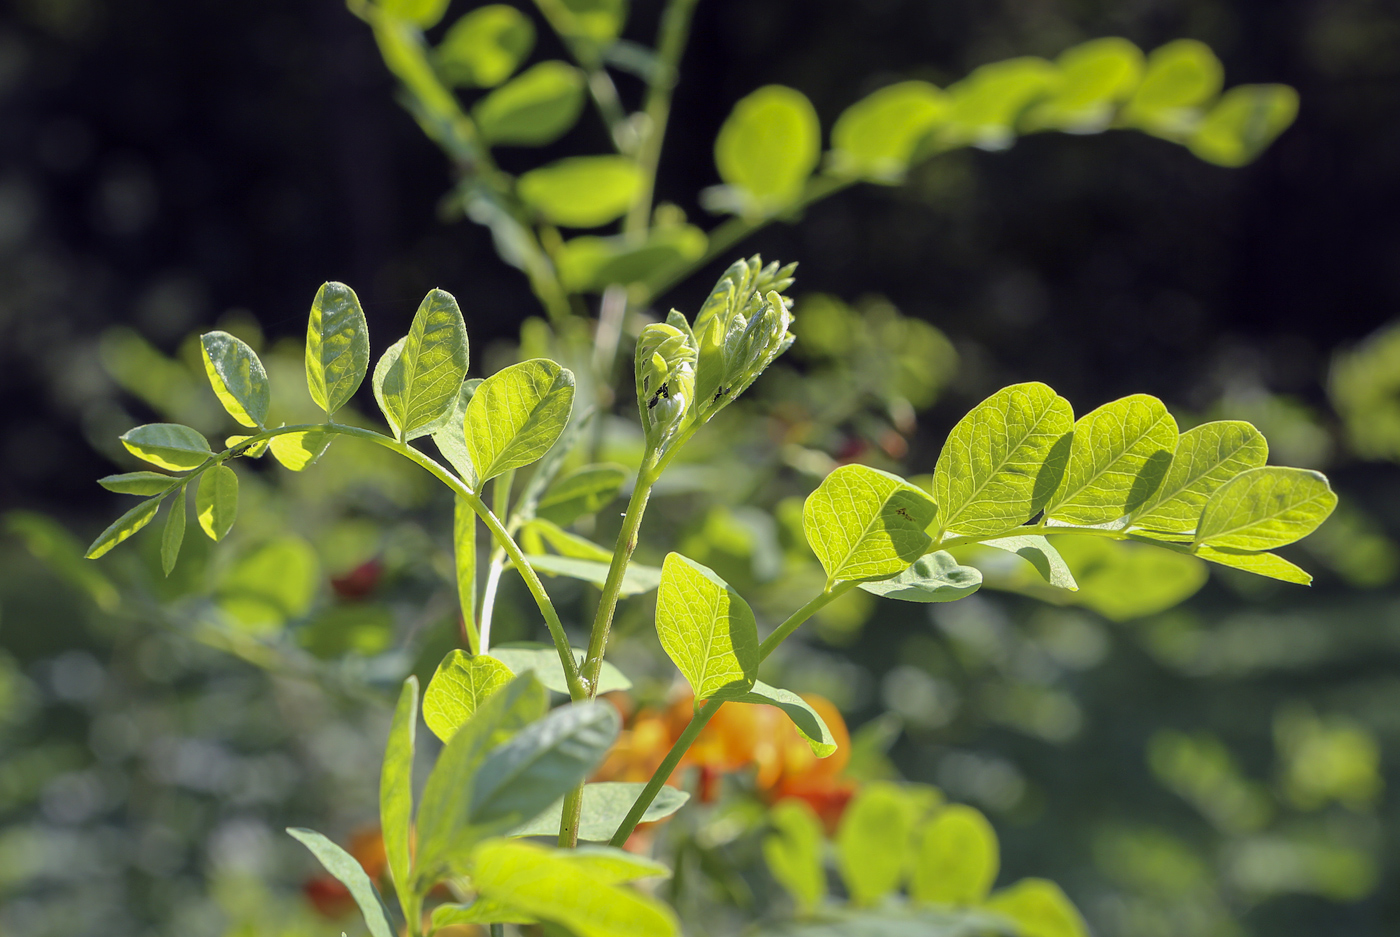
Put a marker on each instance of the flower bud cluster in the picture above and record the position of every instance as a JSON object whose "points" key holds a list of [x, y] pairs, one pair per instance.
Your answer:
{"points": [[665, 368]]}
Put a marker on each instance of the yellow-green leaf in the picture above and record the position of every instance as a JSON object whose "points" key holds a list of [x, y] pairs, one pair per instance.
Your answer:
{"points": [[794, 850], [421, 13], [418, 379], [485, 47], [1181, 78], [298, 450], [138, 483], [1039, 909], [1207, 456], [396, 793], [986, 105], [337, 347], [174, 534], [237, 376], [805, 719], [1243, 123], [866, 524], [123, 527], [581, 191], [1096, 77], [168, 445], [707, 629], [1262, 564], [1265, 508], [768, 147], [956, 859], [581, 492], [1122, 581], [877, 137], [216, 502], [533, 108], [460, 685], [271, 584], [516, 414], [872, 842], [1117, 459]]}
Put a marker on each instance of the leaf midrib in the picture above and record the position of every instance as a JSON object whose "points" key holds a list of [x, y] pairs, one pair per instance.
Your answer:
{"points": [[1066, 500], [993, 474]]}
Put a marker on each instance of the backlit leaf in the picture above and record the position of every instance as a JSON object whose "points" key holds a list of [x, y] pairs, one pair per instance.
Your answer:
{"points": [[589, 26], [421, 13], [1206, 457], [1002, 460], [298, 450], [637, 579], [956, 858], [986, 105], [139, 483], [237, 376], [1039, 908], [480, 911], [1037, 551], [592, 263], [1265, 508], [707, 629], [123, 527], [538, 532], [872, 842], [581, 191], [168, 445], [451, 440], [1118, 457], [1243, 123], [458, 688], [615, 866], [418, 379], [768, 147], [534, 108], [935, 577], [543, 661], [174, 534], [216, 502], [1122, 581], [794, 850], [516, 414], [351, 874], [865, 524], [486, 46], [877, 136], [396, 792], [1095, 78], [1263, 564], [581, 492], [605, 806], [1181, 78], [464, 562], [271, 584], [337, 347], [805, 719]]}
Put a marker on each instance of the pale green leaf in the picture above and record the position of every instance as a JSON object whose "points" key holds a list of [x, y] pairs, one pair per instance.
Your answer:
{"points": [[543, 661], [768, 147], [174, 534], [805, 719], [216, 501], [1265, 508], [485, 47], [872, 842], [421, 13], [1263, 564], [563, 542], [707, 629], [337, 347], [935, 577], [396, 792], [1002, 460], [1037, 551], [298, 450], [480, 911], [139, 483], [1122, 581], [613, 866], [877, 137], [458, 688], [1117, 459], [581, 191], [865, 524], [451, 440], [1039, 908], [1243, 123], [168, 445], [592, 263], [237, 376], [123, 527], [541, 763], [1181, 78], [794, 851], [351, 874], [986, 105], [516, 414], [1096, 77], [1207, 456], [582, 492], [447, 828], [956, 859], [534, 108], [637, 579], [605, 806], [589, 26], [419, 378], [464, 562], [271, 584], [548, 885]]}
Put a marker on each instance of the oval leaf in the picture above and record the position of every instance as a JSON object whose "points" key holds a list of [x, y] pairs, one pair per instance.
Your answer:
{"points": [[1039, 908], [1181, 77], [1243, 123], [458, 688], [139, 483], [174, 534], [516, 415], [168, 445], [347, 869], [808, 722], [1002, 460], [605, 806], [337, 347], [418, 379], [768, 147], [485, 47], [1037, 551], [543, 661], [794, 850], [581, 191], [864, 524], [1262, 564], [534, 108], [1095, 78], [582, 492], [876, 137], [298, 450], [707, 629], [987, 103], [936, 577], [872, 842], [216, 502], [1207, 456], [123, 527], [957, 858], [1118, 457], [237, 376], [1265, 508]]}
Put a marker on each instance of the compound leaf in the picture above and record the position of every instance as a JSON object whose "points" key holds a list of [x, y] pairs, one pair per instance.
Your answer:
{"points": [[451, 439], [139, 483], [1181, 78], [396, 792], [337, 347], [864, 524], [605, 806], [174, 534], [351, 874], [460, 685], [216, 501], [768, 147], [707, 629], [534, 108], [1207, 456], [1117, 459], [170, 446], [1265, 508], [876, 137], [934, 577], [1002, 460], [123, 527], [581, 191], [808, 722], [516, 414], [794, 849], [956, 858], [485, 47], [418, 379], [237, 376], [1122, 581], [1039, 909]]}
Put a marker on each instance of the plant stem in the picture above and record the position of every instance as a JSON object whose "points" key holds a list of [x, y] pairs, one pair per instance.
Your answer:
{"points": [[498, 930], [707, 711]]}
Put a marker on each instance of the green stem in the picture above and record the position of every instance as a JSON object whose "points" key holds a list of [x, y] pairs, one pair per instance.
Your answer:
{"points": [[670, 43], [498, 930], [707, 711]]}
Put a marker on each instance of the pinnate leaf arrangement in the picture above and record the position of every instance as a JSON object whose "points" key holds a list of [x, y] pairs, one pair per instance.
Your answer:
{"points": [[1015, 471]]}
